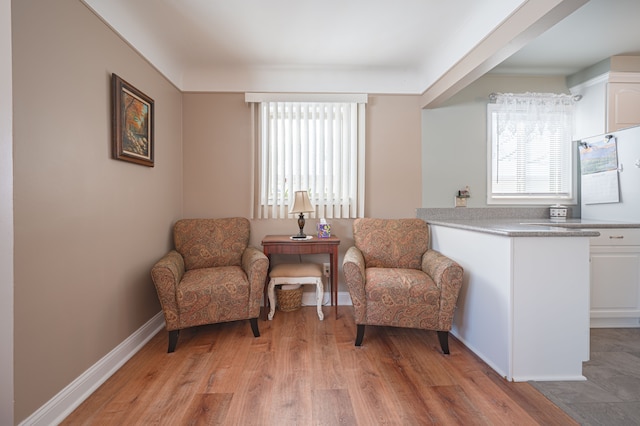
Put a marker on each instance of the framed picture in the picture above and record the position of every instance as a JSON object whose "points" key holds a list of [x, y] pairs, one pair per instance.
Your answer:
{"points": [[132, 123]]}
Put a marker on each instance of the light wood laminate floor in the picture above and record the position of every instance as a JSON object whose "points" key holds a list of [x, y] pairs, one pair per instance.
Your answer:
{"points": [[611, 394], [303, 371]]}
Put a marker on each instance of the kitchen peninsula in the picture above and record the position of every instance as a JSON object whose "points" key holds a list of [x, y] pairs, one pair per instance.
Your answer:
{"points": [[524, 304]]}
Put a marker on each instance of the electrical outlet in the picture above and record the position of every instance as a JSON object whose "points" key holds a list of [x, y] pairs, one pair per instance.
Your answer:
{"points": [[326, 269], [460, 202]]}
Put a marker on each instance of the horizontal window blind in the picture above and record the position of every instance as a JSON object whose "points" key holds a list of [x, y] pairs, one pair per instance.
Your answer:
{"points": [[531, 147]]}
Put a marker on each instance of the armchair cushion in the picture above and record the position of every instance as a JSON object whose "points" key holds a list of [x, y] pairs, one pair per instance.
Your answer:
{"points": [[213, 293], [397, 243], [401, 298], [207, 243]]}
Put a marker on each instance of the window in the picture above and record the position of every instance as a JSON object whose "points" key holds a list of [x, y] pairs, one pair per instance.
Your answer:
{"points": [[531, 160], [313, 143]]}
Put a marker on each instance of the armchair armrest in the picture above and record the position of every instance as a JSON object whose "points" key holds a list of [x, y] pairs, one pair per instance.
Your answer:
{"points": [[256, 265], [447, 274], [353, 267], [166, 275]]}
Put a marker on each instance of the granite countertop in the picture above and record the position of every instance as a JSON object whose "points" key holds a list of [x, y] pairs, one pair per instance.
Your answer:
{"points": [[514, 228], [517, 222]]}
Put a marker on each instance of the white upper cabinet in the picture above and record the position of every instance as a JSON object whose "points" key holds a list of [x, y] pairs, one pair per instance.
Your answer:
{"points": [[610, 101], [623, 100]]}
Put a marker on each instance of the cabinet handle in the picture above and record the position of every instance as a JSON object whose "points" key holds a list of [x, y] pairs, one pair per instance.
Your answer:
{"points": [[616, 237]]}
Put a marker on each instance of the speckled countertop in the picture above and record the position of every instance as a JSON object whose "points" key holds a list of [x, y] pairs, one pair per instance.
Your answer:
{"points": [[516, 222]]}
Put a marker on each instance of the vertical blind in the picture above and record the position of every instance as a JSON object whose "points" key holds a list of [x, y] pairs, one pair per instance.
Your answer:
{"points": [[313, 146], [531, 145]]}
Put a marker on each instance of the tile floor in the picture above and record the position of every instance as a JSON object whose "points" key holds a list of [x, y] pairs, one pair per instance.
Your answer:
{"points": [[611, 394]]}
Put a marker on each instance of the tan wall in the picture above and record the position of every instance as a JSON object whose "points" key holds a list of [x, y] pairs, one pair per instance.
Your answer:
{"points": [[217, 157], [454, 138], [87, 228]]}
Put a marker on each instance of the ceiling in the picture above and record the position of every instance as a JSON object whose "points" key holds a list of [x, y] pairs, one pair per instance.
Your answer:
{"points": [[598, 30], [429, 47]]}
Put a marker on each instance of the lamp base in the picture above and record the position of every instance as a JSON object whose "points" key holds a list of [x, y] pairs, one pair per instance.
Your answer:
{"points": [[301, 235]]}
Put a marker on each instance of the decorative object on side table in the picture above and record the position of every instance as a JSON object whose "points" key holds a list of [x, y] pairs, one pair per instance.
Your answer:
{"points": [[132, 123], [324, 229], [302, 205]]}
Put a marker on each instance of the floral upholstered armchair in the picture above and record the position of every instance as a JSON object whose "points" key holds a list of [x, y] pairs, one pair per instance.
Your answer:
{"points": [[212, 275], [394, 279]]}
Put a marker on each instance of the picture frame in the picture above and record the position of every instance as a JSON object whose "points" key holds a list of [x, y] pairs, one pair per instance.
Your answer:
{"points": [[132, 121]]}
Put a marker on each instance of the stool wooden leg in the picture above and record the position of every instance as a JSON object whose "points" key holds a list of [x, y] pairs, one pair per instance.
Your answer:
{"points": [[272, 299], [319, 297]]}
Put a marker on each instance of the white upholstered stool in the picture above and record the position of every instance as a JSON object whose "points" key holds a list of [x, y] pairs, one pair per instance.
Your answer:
{"points": [[296, 273]]}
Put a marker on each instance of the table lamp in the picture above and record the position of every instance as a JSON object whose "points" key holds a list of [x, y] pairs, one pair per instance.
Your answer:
{"points": [[302, 205]]}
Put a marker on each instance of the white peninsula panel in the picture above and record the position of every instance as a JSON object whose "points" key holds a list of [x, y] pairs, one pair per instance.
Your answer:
{"points": [[524, 304]]}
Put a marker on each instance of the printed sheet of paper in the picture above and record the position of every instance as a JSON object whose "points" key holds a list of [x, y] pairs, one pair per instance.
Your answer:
{"points": [[599, 188], [599, 169]]}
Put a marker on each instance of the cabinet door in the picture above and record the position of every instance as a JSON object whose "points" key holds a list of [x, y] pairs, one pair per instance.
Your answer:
{"points": [[623, 106], [615, 282]]}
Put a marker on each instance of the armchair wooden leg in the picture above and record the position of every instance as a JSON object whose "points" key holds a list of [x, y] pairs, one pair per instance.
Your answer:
{"points": [[359, 334], [443, 337], [173, 340], [254, 327]]}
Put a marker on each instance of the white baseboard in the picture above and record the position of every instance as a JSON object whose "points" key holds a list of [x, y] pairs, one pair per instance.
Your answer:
{"points": [[68, 399], [309, 298], [614, 322]]}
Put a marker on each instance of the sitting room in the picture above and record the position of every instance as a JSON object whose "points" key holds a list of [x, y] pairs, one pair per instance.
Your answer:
{"points": [[85, 329]]}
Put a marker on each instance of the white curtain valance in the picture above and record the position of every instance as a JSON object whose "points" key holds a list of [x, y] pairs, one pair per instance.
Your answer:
{"points": [[529, 99], [531, 144], [535, 110]]}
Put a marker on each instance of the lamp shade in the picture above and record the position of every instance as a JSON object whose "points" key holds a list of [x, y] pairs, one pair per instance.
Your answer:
{"points": [[301, 203]]}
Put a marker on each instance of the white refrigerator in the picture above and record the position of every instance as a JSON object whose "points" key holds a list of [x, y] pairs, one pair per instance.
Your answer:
{"points": [[610, 176]]}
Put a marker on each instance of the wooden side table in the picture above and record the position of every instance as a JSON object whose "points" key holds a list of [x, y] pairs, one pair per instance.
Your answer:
{"points": [[283, 244]]}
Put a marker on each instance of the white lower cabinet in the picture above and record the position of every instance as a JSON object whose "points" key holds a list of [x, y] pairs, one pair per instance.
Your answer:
{"points": [[524, 303], [615, 278]]}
